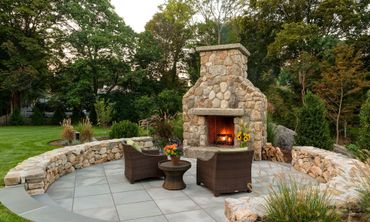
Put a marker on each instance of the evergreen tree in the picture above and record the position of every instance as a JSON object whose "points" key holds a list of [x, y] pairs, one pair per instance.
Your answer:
{"points": [[364, 137], [313, 128]]}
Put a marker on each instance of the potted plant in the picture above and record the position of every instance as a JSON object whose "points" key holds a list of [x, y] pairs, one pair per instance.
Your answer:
{"points": [[244, 136], [173, 152]]}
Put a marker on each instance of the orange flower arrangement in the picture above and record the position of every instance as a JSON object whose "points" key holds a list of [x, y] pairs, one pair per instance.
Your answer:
{"points": [[172, 150]]}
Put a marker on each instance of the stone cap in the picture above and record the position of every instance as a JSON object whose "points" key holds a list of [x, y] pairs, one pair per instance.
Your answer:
{"points": [[216, 112], [239, 46]]}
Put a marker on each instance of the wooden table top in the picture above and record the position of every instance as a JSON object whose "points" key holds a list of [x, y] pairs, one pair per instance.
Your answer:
{"points": [[168, 165]]}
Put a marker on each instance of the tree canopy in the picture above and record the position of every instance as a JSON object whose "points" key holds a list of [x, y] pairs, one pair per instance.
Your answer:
{"points": [[73, 53]]}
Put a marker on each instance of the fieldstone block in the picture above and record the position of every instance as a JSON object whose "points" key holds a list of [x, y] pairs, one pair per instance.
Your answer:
{"points": [[12, 178], [32, 186]]}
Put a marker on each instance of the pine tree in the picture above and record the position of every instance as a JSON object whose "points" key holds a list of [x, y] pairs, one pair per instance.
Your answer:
{"points": [[313, 128], [364, 137]]}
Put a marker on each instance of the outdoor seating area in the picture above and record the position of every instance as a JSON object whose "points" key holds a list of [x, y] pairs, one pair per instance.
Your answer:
{"points": [[136, 182], [103, 192]]}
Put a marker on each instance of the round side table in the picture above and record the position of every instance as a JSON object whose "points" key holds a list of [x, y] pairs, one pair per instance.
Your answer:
{"points": [[174, 173]]}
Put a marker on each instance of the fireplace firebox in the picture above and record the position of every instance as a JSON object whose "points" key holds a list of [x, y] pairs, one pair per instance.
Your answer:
{"points": [[220, 130]]}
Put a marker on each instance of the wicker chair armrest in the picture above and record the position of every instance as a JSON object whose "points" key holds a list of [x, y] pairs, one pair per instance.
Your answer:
{"points": [[152, 155], [150, 152]]}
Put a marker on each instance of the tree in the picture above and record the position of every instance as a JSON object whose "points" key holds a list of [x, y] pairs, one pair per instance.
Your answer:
{"points": [[171, 27], [303, 68], [169, 102], [312, 127], [343, 76], [217, 13], [104, 111], [364, 136], [100, 48], [26, 31]]}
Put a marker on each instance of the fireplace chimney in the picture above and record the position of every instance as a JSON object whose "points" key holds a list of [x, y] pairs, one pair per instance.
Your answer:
{"points": [[228, 60]]}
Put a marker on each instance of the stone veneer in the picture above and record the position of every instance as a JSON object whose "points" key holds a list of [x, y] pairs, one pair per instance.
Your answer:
{"points": [[39, 172], [339, 175], [224, 90]]}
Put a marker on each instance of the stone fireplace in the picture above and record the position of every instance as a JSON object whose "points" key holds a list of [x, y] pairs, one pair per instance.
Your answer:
{"points": [[222, 101]]}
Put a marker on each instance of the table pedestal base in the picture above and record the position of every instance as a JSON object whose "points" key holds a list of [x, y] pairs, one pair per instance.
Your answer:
{"points": [[174, 180]]}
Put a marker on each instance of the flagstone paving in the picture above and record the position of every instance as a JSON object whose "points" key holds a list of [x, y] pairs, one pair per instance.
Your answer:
{"points": [[102, 192]]}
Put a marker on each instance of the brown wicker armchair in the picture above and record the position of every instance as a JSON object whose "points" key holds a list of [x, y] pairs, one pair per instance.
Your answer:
{"points": [[141, 165], [226, 172]]}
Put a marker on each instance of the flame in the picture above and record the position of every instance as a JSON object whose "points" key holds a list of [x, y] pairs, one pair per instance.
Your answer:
{"points": [[227, 135], [226, 131]]}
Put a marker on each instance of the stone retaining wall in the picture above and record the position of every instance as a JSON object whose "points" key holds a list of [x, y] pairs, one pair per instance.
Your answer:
{"points": [[39, 172], [339, 176]]}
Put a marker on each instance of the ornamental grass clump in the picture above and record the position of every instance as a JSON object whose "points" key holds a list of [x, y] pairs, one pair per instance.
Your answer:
{"points": [[86, 130], [364, 189], [293, 203], [68, 131]]}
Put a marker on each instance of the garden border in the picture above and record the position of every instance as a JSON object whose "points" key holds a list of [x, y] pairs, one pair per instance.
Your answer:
{"points": [[39, 172]]}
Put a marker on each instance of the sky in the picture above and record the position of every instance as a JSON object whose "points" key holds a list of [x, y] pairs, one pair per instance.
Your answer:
{"points": [[136, 13]]}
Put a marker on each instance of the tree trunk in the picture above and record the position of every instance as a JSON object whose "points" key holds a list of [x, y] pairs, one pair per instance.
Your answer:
{"points": [[15, 101], [302, 81], [339, 113], [219, 37], [219, 32]]}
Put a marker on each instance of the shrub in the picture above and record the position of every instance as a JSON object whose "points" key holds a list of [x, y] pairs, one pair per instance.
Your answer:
{"points": [[293, 203], [312, 127], [144, 107], [364, 134], [58, 116], [361, 154], [145, 131], [169, 102], [37, 117], [103, 112], [16, 118], [163, 132], [177, 126], [86, 130], [68, 131], [124, 129]]}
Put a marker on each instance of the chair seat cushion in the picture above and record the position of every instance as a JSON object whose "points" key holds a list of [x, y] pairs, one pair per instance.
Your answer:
{"points": [[134, 144], [234, 150]]}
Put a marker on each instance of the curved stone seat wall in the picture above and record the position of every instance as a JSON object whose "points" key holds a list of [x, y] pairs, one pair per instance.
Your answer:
{"points": [[338, 175], [39, 172]]}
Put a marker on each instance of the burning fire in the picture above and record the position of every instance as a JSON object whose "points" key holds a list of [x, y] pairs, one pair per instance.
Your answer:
{"points": [[225, 137]]}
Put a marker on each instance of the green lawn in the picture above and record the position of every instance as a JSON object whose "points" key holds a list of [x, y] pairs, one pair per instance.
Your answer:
{"points": [[17, 143]]}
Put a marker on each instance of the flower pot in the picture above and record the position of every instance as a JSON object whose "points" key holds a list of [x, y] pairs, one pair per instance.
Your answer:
{"points": [[175, 160]]}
